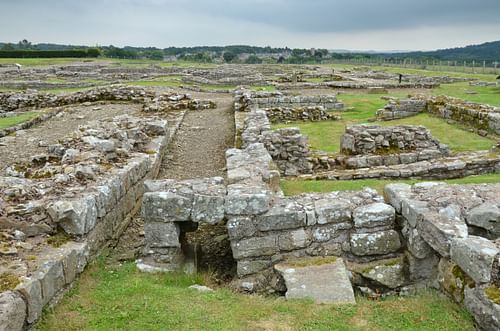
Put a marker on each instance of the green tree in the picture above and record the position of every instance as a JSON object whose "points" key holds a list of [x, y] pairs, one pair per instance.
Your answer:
{"points": [[229, 56]]}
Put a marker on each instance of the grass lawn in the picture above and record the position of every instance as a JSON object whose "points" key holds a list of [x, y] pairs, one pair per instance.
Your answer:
{"points": [[294, 187], [6, 122], [487, 95], [325, 136], [122, 298]]}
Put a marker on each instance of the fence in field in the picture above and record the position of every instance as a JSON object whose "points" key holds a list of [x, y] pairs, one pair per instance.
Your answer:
{"points": [[473, 66]]}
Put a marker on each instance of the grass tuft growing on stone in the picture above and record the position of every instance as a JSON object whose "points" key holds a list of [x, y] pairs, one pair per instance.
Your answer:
{"points": [[310, 261], [118, 297]]}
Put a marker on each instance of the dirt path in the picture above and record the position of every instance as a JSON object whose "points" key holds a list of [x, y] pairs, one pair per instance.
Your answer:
{"points": [[199, 146]]}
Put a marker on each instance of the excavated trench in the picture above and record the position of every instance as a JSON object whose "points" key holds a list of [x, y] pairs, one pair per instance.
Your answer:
{"points": [[197, 151]]}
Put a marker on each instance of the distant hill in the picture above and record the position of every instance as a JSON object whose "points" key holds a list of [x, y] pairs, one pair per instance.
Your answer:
{"points": [[489, 51]]}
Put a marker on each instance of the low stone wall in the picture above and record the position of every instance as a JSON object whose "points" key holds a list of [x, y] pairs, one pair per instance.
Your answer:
{"points": [[451, 234], [379, 140], [366, 167], [477, 116], [288, 147], [481, 117], [356, 85], [92, 203], [42, 85], [247, 100], [283, 115], [401, 108]]}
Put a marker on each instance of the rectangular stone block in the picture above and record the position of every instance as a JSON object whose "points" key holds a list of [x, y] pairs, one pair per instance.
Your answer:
{"points": [[438, 231], [51, 276], [166, 207], [374, 215], [285, 215], [328, 232], [161, 234], [31, 290], [240, 226], [247, 200], [475, 256], [294, 240], [254, 247], [395, 194], [332, 211], [12, 311], [248, 267], [377, 243]]}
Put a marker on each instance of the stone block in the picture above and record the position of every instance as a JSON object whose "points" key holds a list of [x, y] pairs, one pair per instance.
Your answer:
{"points": [[389, 273], [328, 232], [413, 211], [417, 245], [286, 214], [254, 247], [51, 276], [76, 217], [373, 215], [377, 243], [396, 193], [422, 270], [475, 256], [161, 234], [332, 211], [294, 240], [12, 311], [486, 313], [438, 231], [240, 227], [248, 267], [166, 207], [247, 200], [31, 290], [486, 216]]}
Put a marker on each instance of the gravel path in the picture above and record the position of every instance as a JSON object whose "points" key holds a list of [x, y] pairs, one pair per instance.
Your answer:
{"points": [[198, 149]]}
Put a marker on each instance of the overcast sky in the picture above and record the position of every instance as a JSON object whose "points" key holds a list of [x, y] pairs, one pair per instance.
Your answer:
{"points": [[331, 24]]}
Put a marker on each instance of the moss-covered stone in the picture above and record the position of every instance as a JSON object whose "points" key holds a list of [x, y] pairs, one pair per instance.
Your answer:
{"points": [[8, 281]]}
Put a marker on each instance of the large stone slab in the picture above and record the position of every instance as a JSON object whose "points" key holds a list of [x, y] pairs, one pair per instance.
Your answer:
{"points": [[439, 230], [75, 216], [332, 211], [256, 246], [324, 283], [166, 207], [485, 311], [475, 256], [247, 200], [286, 214]]}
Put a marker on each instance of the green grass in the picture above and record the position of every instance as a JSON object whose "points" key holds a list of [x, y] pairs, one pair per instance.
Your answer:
{"points": [[6, 122], [294, 187], [325, 136], [121, 298], [484, 94], [41, 62], [432, 71]]}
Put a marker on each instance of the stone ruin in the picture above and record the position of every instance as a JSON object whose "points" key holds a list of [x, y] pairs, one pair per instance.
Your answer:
{"points": [[482, 118], [373, 145]]}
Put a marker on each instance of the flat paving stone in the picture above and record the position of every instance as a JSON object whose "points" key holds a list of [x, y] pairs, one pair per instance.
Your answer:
{"points": [[324, 283]]}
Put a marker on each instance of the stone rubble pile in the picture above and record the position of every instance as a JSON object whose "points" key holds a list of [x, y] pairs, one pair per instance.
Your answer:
{"points": [[169, 102], [401, 108]]}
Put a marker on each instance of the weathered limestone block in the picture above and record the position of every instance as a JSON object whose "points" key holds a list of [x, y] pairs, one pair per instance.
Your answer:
{"points": [[377, 243], [424, 269], [486, 216], [324, 283], [485, 311], [388, 273], [417, 245], [475, 256], [12, 311], [240, 227], [51, 276], [161, 234], [74, 260], [396, 193], [75, 216], [329, 210], [453, 280], [247, 200], [413, 211], [208, 204], [286, 214], [31, 290], [328, 232], [166, 207], [438, 231], [248, 267], [294, 240], [373, 215], [254, 247]]}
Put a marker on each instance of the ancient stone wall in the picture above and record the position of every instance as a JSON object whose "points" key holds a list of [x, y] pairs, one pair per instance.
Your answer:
{"points": [[483, 118], [451, 234], [401, 108], [90, 185], [283, 115], [247, 100]]}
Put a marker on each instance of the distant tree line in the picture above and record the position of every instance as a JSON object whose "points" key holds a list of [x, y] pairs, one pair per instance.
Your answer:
{"points": [[489, 52]]}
